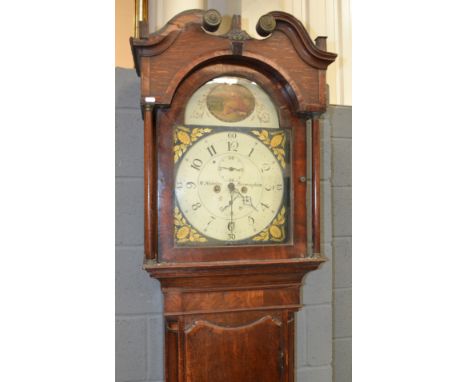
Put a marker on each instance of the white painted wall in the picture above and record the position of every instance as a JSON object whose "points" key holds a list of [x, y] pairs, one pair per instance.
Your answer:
{"points": [[330, 18]]}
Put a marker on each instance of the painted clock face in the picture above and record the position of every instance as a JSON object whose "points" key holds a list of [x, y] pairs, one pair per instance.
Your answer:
{"points": [[231, 188], [231, 180]]}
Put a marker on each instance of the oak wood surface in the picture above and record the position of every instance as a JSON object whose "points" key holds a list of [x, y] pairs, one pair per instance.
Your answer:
{"points": [[229, 308], [251, 352], [150, 213], [229, 312], [288, 51], [167, 118], [316, 184]]}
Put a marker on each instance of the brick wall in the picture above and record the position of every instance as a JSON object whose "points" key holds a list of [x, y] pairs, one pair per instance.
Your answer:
{"points": [[139, 322]]}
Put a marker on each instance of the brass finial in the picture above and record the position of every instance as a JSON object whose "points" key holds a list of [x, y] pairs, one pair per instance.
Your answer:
{"points": [[266, 25], [211, 20]]}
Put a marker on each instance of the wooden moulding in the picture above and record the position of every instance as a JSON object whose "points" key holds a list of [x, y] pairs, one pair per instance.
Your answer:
{"points": [[288, 51], [221, 287], [225, 288], [226, 268]]}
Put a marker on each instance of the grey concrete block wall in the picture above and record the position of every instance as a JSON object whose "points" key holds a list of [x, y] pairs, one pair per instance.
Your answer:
{"points": [[342, 263], [316, 374], [314, 322], [129, 140], [130, 339], [139, 321], [341, 211], [341, 184], [136, 293], [342, 348], [128, 222], [138, 300]]}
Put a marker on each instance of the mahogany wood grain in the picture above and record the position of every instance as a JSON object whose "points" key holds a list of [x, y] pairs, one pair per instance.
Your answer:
{"points": [[229, 312], [291, 344], [230, 296], [251, 352], [288, 51], [150, 172], [171, 345], [316, 184], [167, 118]]}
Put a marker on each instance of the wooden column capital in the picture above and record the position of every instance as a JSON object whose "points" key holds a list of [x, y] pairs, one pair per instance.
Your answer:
{"points": [[148, 106]]}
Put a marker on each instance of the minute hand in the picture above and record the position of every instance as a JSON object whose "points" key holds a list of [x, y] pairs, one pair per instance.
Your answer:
{"points": [[231, 222]]}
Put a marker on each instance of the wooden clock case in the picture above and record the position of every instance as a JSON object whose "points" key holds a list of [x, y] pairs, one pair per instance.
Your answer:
{"points": [[229, 312]]}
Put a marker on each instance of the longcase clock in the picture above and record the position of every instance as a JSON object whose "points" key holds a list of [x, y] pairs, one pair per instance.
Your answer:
{"points": [[225, 156]]}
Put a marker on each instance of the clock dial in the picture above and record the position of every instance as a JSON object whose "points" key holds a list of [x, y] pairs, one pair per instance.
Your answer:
{"points": [[230, 186]]}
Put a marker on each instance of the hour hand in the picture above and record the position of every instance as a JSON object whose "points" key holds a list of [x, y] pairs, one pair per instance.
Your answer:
{"points": [[229, 204], [229, 168], [226, 206]]}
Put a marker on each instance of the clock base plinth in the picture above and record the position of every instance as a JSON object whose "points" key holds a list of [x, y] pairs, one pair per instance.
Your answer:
{"points": [[231, 321]]}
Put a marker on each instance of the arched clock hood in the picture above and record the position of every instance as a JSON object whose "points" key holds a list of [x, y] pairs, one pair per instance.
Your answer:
{"points": [[300, 63]]}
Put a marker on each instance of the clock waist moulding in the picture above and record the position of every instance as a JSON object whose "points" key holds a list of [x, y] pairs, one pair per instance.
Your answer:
{"points": [[208, 100]]}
